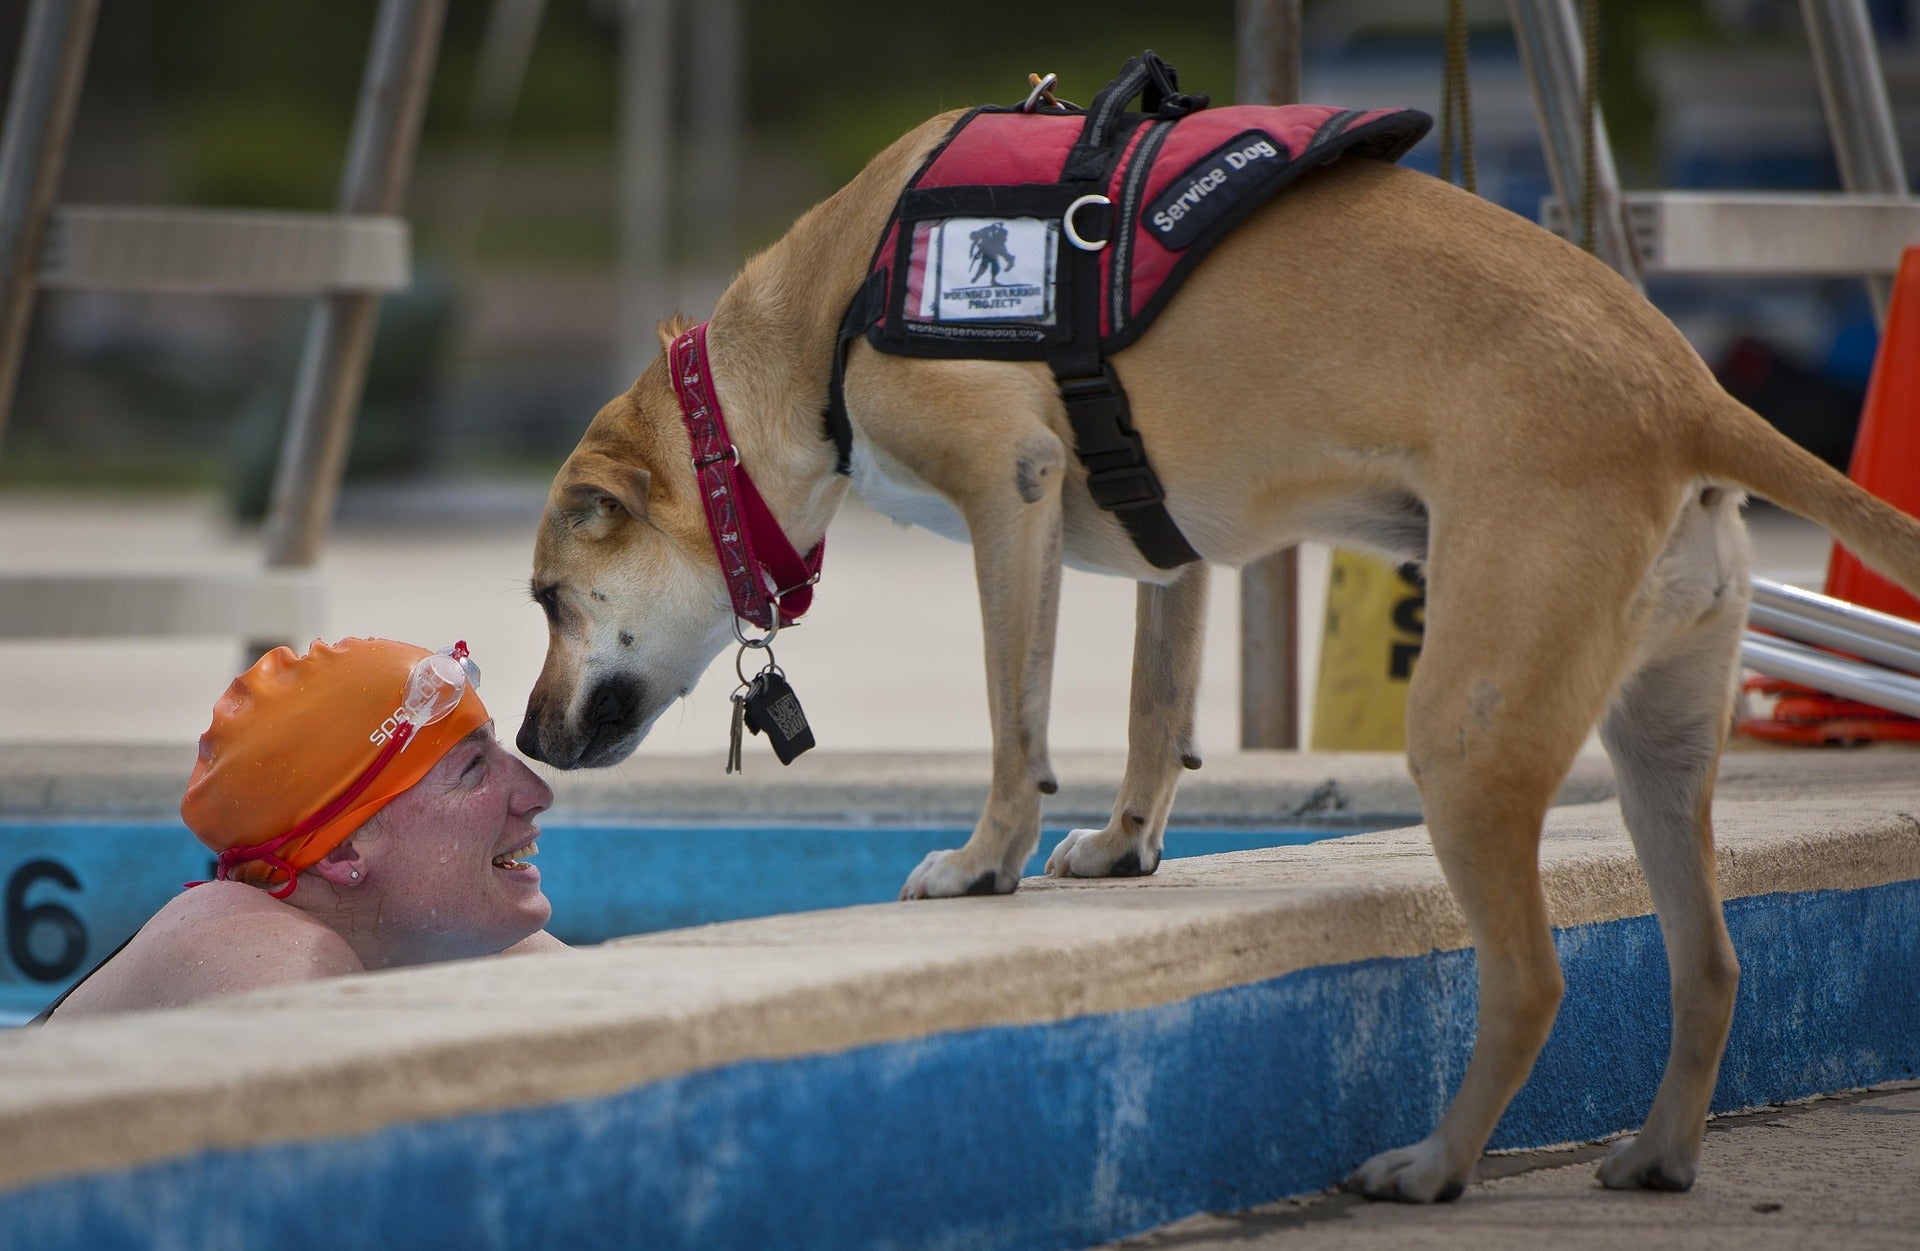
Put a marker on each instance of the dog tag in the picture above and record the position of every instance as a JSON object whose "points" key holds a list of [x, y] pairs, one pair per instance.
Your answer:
{"points": [[771, 709]]}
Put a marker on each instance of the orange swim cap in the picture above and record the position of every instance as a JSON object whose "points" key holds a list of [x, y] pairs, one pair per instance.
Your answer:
{"points": [[294, 735]]}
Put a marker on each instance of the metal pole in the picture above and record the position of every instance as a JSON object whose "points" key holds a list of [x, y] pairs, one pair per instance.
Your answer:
{"points": [[646, 126], [1801, 630], [46, 92], [1267, 67], [333, 366], [1836, 676], [1554, 54], [1855, 94], [1838, 613], [1267, 70]]}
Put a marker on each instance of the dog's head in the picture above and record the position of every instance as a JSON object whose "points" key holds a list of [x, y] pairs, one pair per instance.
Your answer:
{"points": [[625, 571]]}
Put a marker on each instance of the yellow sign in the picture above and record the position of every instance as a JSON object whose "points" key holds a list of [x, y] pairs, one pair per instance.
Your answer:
{"points": [[1376, 615]]}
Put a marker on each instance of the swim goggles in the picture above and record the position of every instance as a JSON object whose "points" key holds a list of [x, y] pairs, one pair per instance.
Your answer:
{"points": [[435, 686]]}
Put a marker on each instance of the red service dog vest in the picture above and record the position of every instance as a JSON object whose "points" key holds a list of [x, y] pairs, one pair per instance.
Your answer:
{"points": [[1059, 234]]}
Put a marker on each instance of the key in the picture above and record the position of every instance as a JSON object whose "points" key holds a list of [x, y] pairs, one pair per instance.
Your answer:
{"points": [[733, 734], [772, 709]]}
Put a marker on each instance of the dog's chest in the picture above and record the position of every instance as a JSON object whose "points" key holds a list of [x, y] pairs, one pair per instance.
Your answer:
{"points": [[896, 491]]}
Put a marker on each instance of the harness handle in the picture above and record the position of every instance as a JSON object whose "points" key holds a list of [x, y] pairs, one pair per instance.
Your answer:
{"points": [[1157, 85]]}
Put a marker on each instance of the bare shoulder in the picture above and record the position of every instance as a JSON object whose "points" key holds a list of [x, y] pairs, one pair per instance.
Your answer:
{"points": [[218, 939], [251, 927]]}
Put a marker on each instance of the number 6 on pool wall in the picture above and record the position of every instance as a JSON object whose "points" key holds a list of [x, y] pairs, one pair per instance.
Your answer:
{"points": [[21, 921]]}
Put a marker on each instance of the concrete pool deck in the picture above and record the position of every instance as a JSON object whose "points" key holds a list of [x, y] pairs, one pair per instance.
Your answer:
{"points": [[103, 779], [1076, 1062], [1832, 1173]]}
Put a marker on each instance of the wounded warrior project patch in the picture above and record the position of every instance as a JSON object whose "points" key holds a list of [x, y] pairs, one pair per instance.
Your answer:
{"points": [[985, 269]]}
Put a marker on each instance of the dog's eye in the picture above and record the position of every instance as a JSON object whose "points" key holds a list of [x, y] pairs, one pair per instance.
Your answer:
{"points": [[549, 602]]}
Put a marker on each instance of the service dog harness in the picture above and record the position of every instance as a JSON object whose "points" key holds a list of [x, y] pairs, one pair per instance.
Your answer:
{"points": [[1042, 231], [1037, 231]]}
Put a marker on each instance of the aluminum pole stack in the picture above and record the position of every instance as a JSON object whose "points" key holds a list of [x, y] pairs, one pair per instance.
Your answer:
{"points": [[1801, 617]]}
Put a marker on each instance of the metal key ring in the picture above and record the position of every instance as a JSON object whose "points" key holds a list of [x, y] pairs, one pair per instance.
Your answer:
{"points": [[765, 640], [1044, 86], [739, 665], [1073, 236]]}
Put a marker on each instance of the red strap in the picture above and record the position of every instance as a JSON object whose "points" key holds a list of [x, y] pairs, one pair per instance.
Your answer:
{"points": [[264, 852], [760, 564]]}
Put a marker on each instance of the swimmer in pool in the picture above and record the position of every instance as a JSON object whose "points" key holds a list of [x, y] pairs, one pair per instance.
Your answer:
{"points": [[365, 816]]}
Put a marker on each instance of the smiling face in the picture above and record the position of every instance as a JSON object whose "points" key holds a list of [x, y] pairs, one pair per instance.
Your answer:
{"points": [[624, 569], [447, 858]]}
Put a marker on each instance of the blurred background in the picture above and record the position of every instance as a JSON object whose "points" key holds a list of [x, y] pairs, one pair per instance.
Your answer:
{"points": [[589, 166]]}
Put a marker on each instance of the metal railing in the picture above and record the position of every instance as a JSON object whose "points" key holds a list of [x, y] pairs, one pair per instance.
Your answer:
{"points": [[344, 261]]}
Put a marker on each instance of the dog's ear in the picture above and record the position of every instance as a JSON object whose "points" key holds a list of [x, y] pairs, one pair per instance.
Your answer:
{"points": [[597, 494], [670, 329]]}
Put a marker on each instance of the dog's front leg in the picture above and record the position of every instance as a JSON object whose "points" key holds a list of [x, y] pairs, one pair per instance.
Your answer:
{"points": [[1170, 624], [1015, 523]]}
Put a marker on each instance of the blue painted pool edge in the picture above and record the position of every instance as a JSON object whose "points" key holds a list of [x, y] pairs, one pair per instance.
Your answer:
{"points": [[1057, 1135]]}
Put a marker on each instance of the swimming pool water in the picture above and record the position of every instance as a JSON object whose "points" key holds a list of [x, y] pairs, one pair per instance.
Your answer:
{"points": [[70, 891]]}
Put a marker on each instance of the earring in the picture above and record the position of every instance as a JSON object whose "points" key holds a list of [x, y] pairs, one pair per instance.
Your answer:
{"points": [[354, 874]]}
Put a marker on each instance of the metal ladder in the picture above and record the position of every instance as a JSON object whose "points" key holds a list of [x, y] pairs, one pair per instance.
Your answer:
{"points": [[343, 261], [1860, 231]]}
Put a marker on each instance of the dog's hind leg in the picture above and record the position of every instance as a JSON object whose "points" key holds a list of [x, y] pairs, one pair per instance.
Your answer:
{"points": [[1665, 731], [1169, 628], [1522, 646]]}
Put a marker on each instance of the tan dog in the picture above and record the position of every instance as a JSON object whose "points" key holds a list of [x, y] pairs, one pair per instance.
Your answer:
{"points": [[1373, 358]]}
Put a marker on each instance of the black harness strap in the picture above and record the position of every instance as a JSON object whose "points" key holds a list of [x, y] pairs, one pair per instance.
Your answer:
{"points": [[853, 324], [1119, 477]]}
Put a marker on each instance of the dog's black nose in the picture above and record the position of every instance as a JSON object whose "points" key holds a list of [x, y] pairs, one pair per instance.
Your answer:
{"points": [[613, 703], [528, 739], [607, 719]]}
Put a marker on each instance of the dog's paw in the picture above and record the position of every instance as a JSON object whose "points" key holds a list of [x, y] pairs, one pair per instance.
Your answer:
{"points": [[1640, 1165], [1102, 853], [945, 874], [1421, 1173]]}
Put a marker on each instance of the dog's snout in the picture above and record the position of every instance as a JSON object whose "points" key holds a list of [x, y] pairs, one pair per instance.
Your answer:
{"points": [[613, 703], [598, 730]]}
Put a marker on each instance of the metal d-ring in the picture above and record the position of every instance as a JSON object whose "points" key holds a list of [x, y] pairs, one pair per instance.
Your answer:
{"points": [[765, 640], [1073, 236]]}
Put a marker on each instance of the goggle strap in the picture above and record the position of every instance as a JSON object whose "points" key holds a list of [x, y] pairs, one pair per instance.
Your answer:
{"points": [[265, 851]]}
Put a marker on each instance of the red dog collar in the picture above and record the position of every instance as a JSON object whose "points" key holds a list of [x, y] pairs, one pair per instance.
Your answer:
{"points": [[770, 583]]}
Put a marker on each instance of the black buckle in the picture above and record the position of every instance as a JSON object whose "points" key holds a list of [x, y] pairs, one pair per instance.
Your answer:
{"points": [[1097, 408], [1130, 486], [1118, 475], [1090, 386]]}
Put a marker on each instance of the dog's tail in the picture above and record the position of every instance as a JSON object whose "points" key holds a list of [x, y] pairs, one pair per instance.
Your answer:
{"points": [[1738, 444]]}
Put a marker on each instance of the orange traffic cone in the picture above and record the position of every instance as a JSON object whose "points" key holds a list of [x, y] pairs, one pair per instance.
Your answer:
{"points": [[1886, 461], [1886, 451]]}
